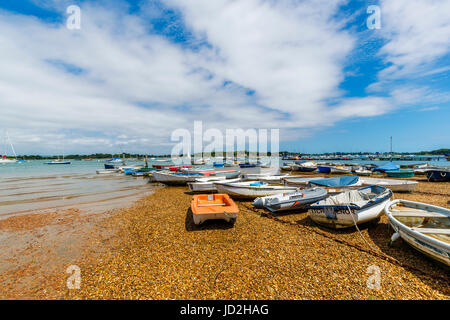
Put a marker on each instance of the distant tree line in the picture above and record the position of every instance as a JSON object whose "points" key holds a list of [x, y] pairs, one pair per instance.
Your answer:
{"points": [[213, 154]]}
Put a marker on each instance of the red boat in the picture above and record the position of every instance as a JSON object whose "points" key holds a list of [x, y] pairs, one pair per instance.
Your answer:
{"points": [[160, 166], [176, 168]]}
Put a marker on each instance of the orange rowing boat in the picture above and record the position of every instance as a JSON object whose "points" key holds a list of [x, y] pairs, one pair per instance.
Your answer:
{"points": [[213, 206]]}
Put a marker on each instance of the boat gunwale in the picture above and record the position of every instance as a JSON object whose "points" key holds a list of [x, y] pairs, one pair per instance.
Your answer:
{"points": [[424, 237], [369, 204]]}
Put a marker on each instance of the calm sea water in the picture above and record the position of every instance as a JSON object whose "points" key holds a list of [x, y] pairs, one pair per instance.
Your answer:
{"points": [[34, 186]]}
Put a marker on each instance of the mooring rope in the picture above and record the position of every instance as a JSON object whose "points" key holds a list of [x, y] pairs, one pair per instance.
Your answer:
{"points": [[370, 251]]}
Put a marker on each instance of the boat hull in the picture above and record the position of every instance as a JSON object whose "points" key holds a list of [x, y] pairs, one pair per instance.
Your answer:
{"points": [[345, 216], [208, 185], [431, 247], [291, 201], [174, 179], [213, 207], [53, 163], [438, 175], [394, 185], [251, 193], [400, 173], [324, 169]]}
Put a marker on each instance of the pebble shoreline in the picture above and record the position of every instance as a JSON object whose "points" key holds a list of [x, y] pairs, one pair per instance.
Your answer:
{"points": [[152, 250], [158, 253]]}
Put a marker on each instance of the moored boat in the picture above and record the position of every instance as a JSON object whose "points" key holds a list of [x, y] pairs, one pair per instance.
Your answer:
{"points": [[390, 166], [438, 175], [251, 189], [212, 207], [423, 226], [218, 164], [108, 171], [293, 181], [171, 178], [363, 172], [58, 161], [351, 207], [337, 184], [324, 169], [264, 177], [307, 166], [340, 170], [394, 185], [247, 165], [162, 166], [290, 201], [4, 160], [207, 183], [400, 173]]}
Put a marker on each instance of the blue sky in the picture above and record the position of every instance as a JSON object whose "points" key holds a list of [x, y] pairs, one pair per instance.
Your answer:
{"points": [[138, 70]]}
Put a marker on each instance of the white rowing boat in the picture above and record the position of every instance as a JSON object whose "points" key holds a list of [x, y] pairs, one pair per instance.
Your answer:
{"points": [[394, 185], [423, 226], [169, 178], [108, 171], [207, 184], [290, 201], [340, 170], [351, 207], [363, 172], [264, 177], [251, 189]]}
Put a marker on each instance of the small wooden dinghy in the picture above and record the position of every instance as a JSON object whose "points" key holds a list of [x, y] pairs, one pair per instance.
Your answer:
{"points": [[251, 189], [290, 201], [213, 206], [351, 207], [423, 226]]}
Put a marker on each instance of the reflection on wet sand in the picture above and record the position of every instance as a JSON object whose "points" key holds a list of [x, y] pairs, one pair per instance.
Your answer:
{"points": [[90, 191]]}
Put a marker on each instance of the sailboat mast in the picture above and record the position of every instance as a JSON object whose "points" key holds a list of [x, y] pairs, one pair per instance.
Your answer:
{"points": [[391, 146], [10, 143]]}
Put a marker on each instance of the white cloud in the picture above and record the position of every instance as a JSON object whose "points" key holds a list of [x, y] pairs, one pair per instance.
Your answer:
{"points": [[142, 86], [418, 33]]}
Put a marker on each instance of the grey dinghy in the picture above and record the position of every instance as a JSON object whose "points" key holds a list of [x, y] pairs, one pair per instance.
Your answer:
{"points": [[351, 207], [290, 201], [423, 226]]}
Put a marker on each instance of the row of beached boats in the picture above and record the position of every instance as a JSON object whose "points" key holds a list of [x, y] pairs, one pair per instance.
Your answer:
{"points": [[338, 202], [433, 173]]}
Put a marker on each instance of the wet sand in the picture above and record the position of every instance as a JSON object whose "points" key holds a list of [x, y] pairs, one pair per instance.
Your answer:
{"points": [[154, 251]]}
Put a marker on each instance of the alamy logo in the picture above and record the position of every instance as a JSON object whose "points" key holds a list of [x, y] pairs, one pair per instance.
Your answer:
{"points": [[374, 20], [374, 280], [234, 143], [74, 18], [74, 280]]}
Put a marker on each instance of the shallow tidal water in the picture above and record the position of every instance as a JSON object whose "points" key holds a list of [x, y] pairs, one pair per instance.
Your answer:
{"points": [[35, 186]]}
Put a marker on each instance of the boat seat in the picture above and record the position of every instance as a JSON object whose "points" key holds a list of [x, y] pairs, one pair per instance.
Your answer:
{"points": [[432, 230], [212, 204], [418, 214]]}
